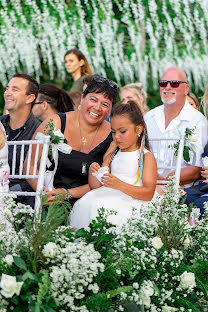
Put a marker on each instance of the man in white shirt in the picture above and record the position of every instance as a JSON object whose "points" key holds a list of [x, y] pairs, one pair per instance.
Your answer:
{"points": [[173, 117]]}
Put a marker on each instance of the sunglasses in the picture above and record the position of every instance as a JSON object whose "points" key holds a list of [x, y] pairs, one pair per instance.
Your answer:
{"points": [[38, 102], [111, 83], [173, 83]]}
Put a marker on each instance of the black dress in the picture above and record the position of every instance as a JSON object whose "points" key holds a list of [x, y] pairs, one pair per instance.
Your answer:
{"points": [[73, 168]]}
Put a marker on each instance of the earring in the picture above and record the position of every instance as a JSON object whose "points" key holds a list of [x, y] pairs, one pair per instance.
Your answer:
{"points": [[79, 107]]}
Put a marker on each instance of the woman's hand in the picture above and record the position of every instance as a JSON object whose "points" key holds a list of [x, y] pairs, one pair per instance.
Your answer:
{"points": [[94, 167], [204, 173], [55, 192], [110, 180]]}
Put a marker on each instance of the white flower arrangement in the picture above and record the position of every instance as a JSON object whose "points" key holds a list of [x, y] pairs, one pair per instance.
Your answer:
{"points": [[145, 266]]}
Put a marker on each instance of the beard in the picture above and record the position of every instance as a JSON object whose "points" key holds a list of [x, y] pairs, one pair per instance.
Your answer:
{"points": [[171, 101]]}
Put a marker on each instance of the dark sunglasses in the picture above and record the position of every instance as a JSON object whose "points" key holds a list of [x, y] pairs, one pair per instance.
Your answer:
{"points": [[111, 83], [38, 102], [173, 83]]}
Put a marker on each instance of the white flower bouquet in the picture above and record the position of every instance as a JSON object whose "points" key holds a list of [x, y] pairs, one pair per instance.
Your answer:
{"points": [[156, 263]]}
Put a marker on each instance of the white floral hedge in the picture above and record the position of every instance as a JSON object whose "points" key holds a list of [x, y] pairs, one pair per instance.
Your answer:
{"points": [[129, 38]]}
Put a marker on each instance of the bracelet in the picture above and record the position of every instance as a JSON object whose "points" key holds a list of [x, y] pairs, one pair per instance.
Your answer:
{"points": [[68, 193]]}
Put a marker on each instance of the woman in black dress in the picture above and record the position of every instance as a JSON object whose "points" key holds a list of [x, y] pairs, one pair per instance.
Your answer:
{"points": [[89, 135]]}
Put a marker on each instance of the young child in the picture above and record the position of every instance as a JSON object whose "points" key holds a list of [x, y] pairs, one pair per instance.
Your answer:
{"points": [[4, 167], [127, 177]]}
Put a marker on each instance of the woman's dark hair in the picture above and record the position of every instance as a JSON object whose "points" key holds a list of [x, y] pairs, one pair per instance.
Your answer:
{"points": [[85, 69], [133, 112], [103, 85], [57, 98]]}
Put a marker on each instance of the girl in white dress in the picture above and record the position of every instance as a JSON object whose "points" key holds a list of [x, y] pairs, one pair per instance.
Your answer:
{"points": [[127, 178], [4, 167]]}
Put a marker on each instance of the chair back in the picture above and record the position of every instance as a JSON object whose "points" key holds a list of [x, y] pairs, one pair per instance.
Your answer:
{"points": [[19, 150], [166, 157]]}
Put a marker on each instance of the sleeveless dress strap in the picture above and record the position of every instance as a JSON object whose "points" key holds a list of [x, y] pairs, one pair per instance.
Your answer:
{"points": [[63, 121]]}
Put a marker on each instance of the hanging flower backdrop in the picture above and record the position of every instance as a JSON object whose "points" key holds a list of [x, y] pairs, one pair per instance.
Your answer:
{"points": [[126, 39]]}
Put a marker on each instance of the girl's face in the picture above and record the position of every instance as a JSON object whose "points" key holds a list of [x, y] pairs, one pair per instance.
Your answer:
{"points": [[95, 108], [192, 103], [125, 133], [72, 63]]}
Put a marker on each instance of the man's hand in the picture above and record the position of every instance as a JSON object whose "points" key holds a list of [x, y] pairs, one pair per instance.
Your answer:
{"points": [[204, 173]]}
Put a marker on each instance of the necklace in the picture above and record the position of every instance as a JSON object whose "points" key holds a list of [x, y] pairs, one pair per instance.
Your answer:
{"points": [[83, 139]]}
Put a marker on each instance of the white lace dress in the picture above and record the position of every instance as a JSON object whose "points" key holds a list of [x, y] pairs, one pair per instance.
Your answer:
{"points": [[125, 167], [4, 168]]}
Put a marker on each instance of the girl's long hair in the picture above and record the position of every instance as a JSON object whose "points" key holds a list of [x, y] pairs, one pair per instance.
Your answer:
{"points": [[133, 112]]}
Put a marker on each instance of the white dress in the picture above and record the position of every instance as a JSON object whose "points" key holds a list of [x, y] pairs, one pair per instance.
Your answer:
{"points": [[125, 167], [4, 168]]}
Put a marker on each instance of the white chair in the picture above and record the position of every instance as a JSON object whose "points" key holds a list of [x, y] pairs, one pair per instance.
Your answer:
{"points": [[39, 167], [166, 159]]}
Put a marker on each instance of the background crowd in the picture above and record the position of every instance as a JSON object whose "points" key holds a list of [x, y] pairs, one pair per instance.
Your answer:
{"points": [[82, 115]]}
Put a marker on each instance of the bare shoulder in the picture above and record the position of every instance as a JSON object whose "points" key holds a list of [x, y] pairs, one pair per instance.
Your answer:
{"points": [[55, 119], [149, 157]]}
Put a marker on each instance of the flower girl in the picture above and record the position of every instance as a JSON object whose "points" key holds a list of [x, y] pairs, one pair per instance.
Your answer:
{"points": [[4, 167], [127, 177]]}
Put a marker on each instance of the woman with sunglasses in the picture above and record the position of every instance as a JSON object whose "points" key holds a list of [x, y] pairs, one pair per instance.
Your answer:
{"points": [[89, 135], [77, 65]]}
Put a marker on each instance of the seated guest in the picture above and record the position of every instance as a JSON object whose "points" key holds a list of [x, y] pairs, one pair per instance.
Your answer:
{"points": [[20, 124], [173, 117], [134, 92], [192, 99], [4, 167], [198, 194], [205, 101], [130, 172], [51, 100], [76, 99], [89, 135]]}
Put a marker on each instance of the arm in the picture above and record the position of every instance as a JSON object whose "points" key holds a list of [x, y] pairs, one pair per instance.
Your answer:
{"points": [[41, 128], [149, 178], [93, 181], [188, 174]]}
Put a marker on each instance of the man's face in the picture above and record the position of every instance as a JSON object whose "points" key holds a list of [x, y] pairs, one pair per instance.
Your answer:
{"points": [[171, 95], [15, 95], [37, 109]]}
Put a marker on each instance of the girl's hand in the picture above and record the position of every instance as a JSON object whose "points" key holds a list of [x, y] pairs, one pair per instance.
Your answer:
{"points": [[94, 167], [110, 180], [204, 173], [54, 192]]}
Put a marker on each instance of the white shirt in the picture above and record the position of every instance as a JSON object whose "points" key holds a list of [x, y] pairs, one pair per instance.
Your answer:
{"points": [[187, 118]]}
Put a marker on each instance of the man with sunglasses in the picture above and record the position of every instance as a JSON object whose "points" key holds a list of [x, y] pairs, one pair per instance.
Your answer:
{"points": [[173, 117]]}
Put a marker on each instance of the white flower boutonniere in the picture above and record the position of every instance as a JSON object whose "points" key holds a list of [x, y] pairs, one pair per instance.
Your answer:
{"points": [[190, 144]]}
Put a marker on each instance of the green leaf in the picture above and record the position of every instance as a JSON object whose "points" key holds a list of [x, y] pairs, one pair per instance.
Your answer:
{"points": [[20, 263], [186, 153], [29, 275]]}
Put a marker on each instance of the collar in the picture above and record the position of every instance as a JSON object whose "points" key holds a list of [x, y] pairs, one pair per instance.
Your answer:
{"points": [[30, 118], [185, 114]]}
